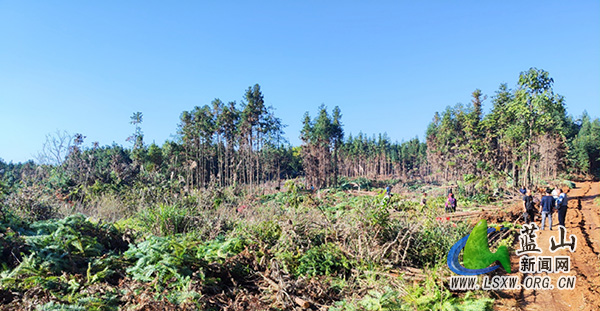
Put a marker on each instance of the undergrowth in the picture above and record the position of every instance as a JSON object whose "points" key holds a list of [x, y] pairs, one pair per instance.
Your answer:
{"points": [[206, 250]]}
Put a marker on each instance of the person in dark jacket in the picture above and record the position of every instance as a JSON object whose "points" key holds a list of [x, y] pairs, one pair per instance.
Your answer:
{"points": [[528, 207], [561, 206], [547, 205], [523, 190]]}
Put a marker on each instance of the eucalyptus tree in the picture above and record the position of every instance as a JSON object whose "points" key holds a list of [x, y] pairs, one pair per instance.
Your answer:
{"points": [[540, 110], [500, 138], [522, 137]]}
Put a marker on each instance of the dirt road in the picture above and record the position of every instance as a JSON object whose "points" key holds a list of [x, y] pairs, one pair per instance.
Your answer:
{"points": [[583, 221]]}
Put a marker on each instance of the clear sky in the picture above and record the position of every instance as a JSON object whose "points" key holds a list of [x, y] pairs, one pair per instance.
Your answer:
{"points": [[86, 66]]}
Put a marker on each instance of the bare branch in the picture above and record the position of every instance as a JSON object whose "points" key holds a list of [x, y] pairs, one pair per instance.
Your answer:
{"points": [[55, 148]]}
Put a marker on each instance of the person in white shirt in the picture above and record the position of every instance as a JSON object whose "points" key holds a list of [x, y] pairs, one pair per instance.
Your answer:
{"points": [[555, 192]]}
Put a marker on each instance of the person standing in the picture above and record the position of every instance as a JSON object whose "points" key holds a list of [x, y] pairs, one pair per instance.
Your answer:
{"points": [[523, 190], [388, 191], [555, 193], [424, 199], [547, 205], [561, 205], [528, 207], [451, 203]]}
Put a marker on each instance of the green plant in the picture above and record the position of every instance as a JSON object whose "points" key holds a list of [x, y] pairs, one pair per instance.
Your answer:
{"points": [[69, 244], [481, 198], [176, 262], [53, 306], [266, 232], [66, 257], [363, 183], [325, 259], [165, 219], [431, 294], [293, 197], [170, 262], [434, 240], [377, 215], [373, 301]]}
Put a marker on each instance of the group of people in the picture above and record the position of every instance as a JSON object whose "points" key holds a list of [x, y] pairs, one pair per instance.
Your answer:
{"points": [[549, 201], [450, 202], [552, 200]]}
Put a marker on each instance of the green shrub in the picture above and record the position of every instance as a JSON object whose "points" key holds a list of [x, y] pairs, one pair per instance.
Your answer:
{"points": [[376, 214], [168, 261], [363, 183], [432, 295], [176, 261], [165, 219], [481, 198], [266, 232], [64, 257], [373, 301], [405, 205], [53, 306], [293, 197], [434, 240], [32, 203], [437, 202], [10, 219], [344, 183], [325, 259]]}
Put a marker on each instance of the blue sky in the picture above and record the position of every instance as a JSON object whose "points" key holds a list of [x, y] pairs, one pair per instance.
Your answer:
{"points": [[85, 67]]}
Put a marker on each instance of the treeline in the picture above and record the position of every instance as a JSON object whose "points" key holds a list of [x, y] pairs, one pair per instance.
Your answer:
{"points": [[527, 137], [221, 145], [217, 145], [584, 147], [224, 145], [378, 156], [326, 155]]}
